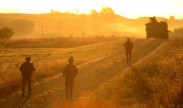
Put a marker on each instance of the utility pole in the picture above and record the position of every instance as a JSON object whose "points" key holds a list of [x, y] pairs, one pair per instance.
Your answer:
{"points": [[42, 32]]}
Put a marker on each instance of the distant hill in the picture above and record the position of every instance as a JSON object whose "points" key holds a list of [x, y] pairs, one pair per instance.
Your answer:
{"points": [[68, 24]]}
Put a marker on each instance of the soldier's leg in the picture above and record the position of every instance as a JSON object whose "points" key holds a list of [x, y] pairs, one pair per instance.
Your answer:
{"points": [[127, 56], [71, 90], [130, 54], [24, 83], [29, 85], [67, 90]]}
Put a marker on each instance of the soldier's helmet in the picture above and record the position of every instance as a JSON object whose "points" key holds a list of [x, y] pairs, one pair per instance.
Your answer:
{"points": [[71, 59], [27, 58]]}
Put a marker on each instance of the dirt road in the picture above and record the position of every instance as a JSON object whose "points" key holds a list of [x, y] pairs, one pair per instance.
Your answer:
{"points": [[91, 75]]}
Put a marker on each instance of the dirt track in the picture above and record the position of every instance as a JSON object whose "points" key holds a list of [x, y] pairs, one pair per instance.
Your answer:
{"points": [[91, 76]]}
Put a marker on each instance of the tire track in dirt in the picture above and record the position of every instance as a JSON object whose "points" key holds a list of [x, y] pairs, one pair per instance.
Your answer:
{"points": [[91, 75]]}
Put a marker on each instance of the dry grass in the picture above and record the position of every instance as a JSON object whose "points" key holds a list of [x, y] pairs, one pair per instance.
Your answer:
{"points": [[86, 101], [47, 61], [154, 82], [59, 42]]}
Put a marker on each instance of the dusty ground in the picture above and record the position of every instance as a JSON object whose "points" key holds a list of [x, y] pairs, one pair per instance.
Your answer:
{"points": [[91, 75]]}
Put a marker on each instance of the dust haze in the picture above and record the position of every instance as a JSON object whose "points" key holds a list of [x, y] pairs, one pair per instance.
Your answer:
{"points": [[115, 64], [57, 24]]}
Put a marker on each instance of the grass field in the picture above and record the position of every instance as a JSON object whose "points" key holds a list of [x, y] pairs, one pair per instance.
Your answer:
{"points": [[155, 81], [58, 42], [47, 61]]}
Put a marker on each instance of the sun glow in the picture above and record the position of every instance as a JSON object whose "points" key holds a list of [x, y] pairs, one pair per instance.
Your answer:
{"points": [[127, 8]]}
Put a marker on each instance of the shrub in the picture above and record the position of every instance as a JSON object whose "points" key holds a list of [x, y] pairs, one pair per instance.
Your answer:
{"points": [[6, 33], [178, 32]]}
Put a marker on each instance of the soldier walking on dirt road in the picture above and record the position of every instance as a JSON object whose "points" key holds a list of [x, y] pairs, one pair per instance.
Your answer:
{"points": [[128, 49], [69, 72], [27, 69]]}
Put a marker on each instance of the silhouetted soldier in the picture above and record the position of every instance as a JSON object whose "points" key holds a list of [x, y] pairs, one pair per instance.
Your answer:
{"points": [[69, 72], [27, 69], [128, 49]]}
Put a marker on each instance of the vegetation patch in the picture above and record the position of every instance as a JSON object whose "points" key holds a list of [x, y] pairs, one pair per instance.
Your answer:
{"points": [[155, 81], [47, 61]]}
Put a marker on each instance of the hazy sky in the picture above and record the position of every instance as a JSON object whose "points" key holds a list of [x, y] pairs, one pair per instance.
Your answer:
{"points": [[127, 8]]}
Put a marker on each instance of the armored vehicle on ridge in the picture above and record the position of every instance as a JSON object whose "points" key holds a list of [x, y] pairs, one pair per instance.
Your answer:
{"points": [[155, 29]]}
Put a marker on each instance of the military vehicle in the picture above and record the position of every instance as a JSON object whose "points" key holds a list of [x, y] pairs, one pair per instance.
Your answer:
{"points": [[155, 29]]}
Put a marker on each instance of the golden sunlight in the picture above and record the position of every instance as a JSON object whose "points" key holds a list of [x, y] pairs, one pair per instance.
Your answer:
{"points": [[91, 53], [127, 8]]}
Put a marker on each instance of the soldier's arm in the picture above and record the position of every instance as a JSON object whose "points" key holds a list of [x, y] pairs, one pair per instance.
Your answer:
{"points": [[21, 67]]}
